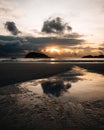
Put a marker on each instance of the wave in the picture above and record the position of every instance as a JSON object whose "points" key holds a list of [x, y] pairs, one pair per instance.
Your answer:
{"points": [[53, 60]]}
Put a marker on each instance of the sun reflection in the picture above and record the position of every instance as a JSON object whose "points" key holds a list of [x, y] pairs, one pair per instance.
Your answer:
{"points": [[52, 61]]}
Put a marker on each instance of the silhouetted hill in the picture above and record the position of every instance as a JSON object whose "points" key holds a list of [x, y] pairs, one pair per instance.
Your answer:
{"points": [[90, 56], [36, 55]]}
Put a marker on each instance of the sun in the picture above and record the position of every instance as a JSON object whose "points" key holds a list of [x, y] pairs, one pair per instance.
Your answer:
{"points": [[52, 50]]}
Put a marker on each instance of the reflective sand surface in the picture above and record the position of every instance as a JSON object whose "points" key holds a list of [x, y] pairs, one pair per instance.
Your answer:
{"points": [[77, 82], [69, 100]]}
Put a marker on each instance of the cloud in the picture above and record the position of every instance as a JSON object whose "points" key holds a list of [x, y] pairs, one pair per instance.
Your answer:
{"points": [[43, 41], [11, 27], [22, 43], [102, 45], [4, 10], [33, 44], [56, 25], [19, 46], [73, 35], [12, 46], [10, 49], [82, 51], [101, 48]]}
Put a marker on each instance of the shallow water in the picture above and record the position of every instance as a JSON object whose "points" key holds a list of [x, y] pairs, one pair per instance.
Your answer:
{"points": [[77, 82]]}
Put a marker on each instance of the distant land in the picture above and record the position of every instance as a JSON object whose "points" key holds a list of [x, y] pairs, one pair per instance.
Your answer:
{"points": [[36, 55], [90, 56]]}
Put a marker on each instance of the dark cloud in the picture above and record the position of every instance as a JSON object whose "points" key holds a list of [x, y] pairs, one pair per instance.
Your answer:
{"points": [[11, 48], [13, 45], [43, 41], [73, 35], [56, 25], [11, 27], [8, 38]]}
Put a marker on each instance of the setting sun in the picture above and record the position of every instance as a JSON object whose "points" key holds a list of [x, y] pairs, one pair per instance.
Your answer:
{"points": [[57, 51], [52, 50]]}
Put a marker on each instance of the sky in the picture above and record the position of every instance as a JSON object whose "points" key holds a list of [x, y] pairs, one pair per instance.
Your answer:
{"points": [[58, 28]]}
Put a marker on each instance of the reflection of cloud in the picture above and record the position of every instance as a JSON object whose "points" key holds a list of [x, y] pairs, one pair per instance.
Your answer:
{"points": [[11, 27], [54, 87], [72, 75]]}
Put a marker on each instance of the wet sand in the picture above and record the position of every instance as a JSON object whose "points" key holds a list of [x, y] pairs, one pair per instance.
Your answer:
{"points": [[21, 109], [19, 72], [32, 105]]}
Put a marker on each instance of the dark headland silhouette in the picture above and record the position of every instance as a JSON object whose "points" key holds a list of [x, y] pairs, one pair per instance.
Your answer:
{"points": [[90, 56], [36, 55]]}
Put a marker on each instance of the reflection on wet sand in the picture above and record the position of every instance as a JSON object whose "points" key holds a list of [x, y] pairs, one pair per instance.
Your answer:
{"points": [[55, 87], [95, 68], [72, 75], [77, 82], [89, 86]]}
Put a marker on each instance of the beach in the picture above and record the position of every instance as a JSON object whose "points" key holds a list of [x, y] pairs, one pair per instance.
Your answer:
{"points": [[55, 96], [51, 65]]}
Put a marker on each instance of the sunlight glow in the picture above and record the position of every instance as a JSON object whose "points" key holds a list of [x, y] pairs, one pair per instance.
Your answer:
{"points": [[56, 51], [52, 50]]}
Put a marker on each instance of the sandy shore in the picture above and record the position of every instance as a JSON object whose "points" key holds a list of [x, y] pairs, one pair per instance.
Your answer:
{"points": [[21, 109]]}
